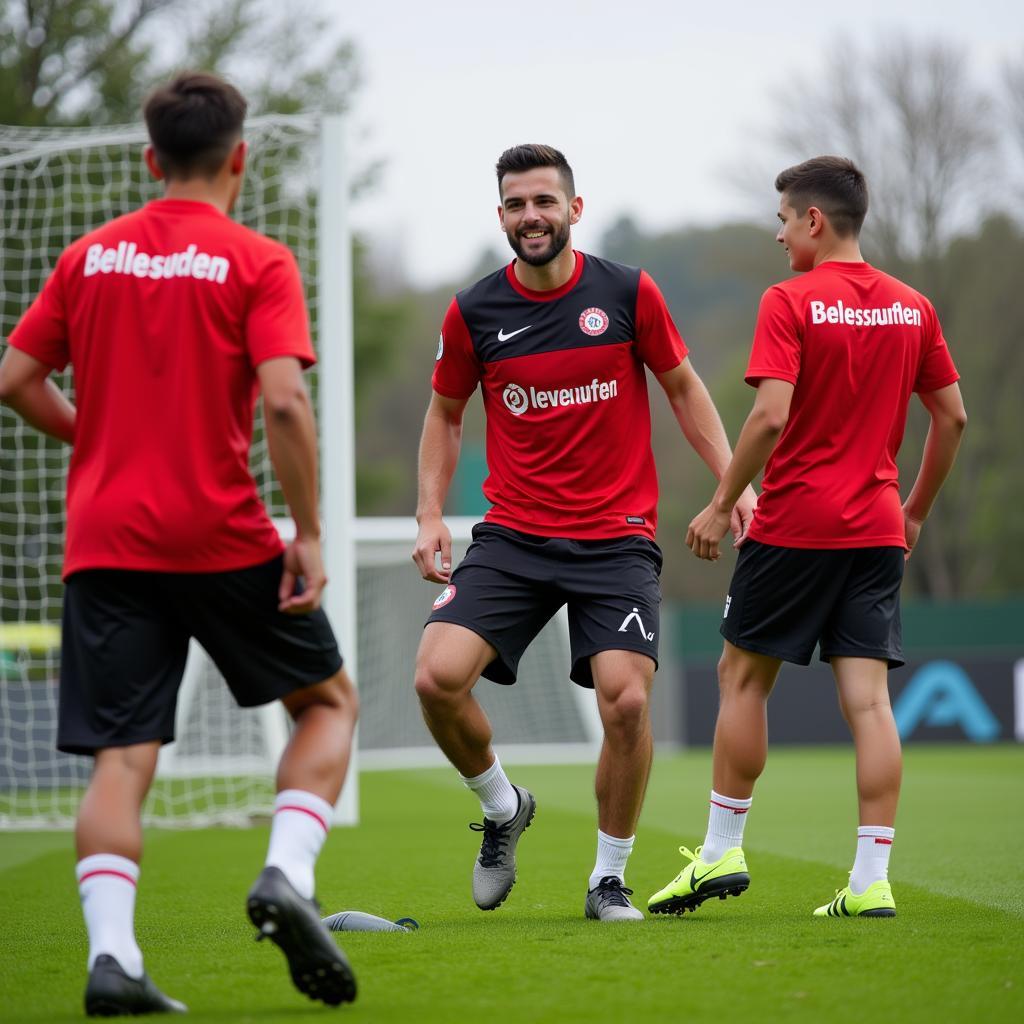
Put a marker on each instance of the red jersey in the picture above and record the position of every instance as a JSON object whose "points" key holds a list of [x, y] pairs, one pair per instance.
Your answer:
{"points": [[565, 393], [165, 314], [855, 343]]}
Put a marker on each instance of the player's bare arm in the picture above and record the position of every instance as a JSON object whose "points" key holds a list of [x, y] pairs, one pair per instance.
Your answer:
{"points": [[948, 421], [439, 455], [26, 387], [758, 437], [702, 426], [291, 438]]}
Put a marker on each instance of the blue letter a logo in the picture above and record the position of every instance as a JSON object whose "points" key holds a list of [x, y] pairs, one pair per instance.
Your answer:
{"points": [[941, 693]]}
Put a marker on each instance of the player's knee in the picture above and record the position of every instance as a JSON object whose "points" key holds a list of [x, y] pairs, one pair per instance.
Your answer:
{"points": [[336, 694], [429, 687], [626, 714], [855, 709], [342, 695], [136, 762], [736, 679], [437, 686]]}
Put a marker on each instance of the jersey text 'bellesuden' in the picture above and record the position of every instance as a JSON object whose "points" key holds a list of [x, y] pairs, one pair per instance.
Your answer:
{"points": [[126, 259]]}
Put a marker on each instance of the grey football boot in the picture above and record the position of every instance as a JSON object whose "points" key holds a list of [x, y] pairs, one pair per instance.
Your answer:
{"points": [[609, 901], [494, 872], [318, 967], [113, 993]]}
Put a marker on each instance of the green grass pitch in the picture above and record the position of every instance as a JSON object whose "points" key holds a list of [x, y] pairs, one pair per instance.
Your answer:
{"points": [[955, 952]]}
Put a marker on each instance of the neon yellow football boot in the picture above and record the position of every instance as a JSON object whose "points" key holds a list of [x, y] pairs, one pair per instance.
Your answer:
{"points": [[699, 881], [875, 901]]}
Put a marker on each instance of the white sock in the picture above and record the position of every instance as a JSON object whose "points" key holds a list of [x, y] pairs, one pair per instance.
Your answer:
{"points": [[498, 797], [725, 825], [106, 885], [612, 854], [874, 844], [301, 823]]}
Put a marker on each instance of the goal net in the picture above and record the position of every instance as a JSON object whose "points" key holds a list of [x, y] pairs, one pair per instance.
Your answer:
{"points": [[56, 184]]}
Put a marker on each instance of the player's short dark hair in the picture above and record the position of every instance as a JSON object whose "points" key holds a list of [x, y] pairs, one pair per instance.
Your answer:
{"points": [[193, 122], [832, 183], [531, 155]]}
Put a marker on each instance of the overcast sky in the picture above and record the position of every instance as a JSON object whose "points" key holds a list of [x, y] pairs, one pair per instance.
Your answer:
{"points": [[652, 101]]}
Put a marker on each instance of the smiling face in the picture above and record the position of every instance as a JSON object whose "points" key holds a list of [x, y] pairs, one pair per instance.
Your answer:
{"points": [[799, 233], [537, 215]]}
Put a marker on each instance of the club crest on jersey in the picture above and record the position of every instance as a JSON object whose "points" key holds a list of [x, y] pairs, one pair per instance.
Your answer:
{"points": [[634, 616], [445, 597], [594, 321], [440, 347], [515, 399]]}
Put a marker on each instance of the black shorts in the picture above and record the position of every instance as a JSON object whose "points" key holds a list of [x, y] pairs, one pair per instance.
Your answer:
{"points": [[510, 584], [783, 601], [126, 636]]}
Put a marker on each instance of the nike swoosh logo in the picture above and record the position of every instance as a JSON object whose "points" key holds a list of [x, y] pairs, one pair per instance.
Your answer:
{"points": [[502, 336], [697, 879]]}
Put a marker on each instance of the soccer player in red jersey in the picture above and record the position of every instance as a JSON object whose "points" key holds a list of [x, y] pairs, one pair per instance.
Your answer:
{"points": [[558, 342], [837, 354], [175, 318]]}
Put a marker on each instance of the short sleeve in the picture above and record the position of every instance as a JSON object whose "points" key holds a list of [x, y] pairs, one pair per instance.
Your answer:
{"points": [[456, 367], [936, 369], [43, 331], [277, 324], [775, 352], [658, 341]]}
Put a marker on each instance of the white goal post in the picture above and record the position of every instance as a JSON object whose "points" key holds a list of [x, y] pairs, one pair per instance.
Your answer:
{"points": [[57, 184]]}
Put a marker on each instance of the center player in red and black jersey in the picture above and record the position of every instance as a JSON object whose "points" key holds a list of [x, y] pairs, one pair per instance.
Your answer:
{"points": [[558, 342]]}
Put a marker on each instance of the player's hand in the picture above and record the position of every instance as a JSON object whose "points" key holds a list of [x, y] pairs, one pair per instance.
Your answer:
{"points": [[706, 532], [911, 530], [302, 562], [433, 538], [743, 516]]}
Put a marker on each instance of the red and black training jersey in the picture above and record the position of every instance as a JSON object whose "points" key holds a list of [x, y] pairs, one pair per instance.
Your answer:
{"points": [[565, 393]]}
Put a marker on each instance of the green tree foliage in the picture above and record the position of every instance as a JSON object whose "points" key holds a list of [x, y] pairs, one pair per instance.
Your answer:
{"points": [[381, 320], [712, 280], [979, 524], [90, 62]]}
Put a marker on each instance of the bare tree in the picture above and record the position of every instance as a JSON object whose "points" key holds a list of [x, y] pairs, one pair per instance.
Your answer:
{"points": [[1013, 81], [911, 116]]}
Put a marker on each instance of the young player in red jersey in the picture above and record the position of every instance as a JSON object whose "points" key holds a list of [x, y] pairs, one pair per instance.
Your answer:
{"points": [[837, 354], [558, 342], [175, 318]]}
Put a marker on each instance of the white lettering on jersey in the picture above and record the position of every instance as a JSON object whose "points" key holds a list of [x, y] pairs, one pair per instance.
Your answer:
{"points": [[127, 260], [518, 400], [867, 316]]}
